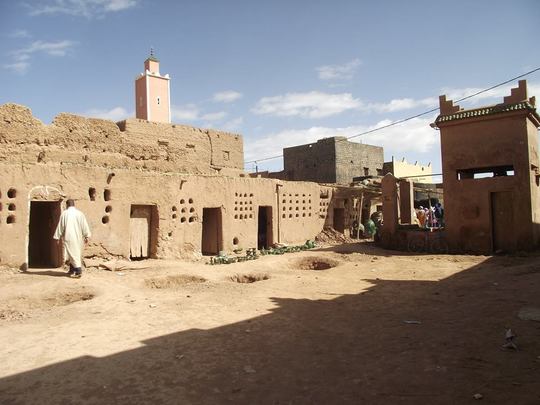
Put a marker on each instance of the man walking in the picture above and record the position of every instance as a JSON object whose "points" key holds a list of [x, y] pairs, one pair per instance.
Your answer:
{"points": [[74, 230]]}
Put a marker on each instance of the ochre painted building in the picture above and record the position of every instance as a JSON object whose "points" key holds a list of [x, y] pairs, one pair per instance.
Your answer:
{"points": [[491, 174]]}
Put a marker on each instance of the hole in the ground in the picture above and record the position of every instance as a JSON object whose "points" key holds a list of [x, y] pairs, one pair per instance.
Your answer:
{"points": [[249, 278], [172, 281], [316, 263], [22, 306]]}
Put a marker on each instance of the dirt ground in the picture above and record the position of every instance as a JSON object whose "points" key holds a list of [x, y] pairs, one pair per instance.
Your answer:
{"points": [[344, 324]]}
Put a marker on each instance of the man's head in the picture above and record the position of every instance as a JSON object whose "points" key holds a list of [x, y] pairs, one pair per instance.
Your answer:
{"points": [[70, 203]]}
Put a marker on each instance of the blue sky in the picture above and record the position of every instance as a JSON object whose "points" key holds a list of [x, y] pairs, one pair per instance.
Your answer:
{"points": [[280, 73]]}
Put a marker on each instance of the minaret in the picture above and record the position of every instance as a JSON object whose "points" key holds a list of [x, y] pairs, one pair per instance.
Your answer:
{"points": [[152, 93]]}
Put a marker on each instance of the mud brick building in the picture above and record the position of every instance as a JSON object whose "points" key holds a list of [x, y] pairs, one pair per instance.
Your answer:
{"points": [[491, 174], [332, 160], [148, 189]]}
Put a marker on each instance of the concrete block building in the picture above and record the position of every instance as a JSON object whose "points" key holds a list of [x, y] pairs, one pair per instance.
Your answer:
{"points": [[332, 160]]}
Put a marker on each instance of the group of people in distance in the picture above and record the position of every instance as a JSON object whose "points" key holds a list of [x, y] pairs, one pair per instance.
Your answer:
{"points": [[432, 217]]}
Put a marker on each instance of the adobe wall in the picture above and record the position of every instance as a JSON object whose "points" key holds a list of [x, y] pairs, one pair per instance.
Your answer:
{"points": [[132, 144], [401, 168], [179, 170], [299, 214], [481, 143]]}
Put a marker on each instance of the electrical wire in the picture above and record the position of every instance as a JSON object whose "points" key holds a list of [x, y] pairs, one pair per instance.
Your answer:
{"points": [[401, 121]]}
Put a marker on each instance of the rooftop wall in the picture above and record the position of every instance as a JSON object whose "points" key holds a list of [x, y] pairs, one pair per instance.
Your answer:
{"points": [[136, 144]]}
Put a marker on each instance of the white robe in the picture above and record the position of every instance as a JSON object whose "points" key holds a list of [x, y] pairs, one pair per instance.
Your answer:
{"points": [[73, 228]]}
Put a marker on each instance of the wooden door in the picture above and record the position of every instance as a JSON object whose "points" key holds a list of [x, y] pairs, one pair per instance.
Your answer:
{"points": [[139, 229], [211, 242], [502, 221], [339, 219]]}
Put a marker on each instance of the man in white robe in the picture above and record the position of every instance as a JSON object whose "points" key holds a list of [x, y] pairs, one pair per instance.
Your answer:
{"points": [[74, 230]]}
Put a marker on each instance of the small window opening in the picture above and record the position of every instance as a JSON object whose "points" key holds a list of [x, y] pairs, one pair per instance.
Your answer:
{"points": [[235, 241], [108, 209], [92, 193], [485, 172], [10, 219], [12, 193], [105, 219], [107, 194], [11, 207]]}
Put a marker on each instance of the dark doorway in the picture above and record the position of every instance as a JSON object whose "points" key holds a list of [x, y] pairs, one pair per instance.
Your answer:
{"points": [[43, 250], [264, 229], [211, 231], [339, 219], [502, 221], [143, 228]]}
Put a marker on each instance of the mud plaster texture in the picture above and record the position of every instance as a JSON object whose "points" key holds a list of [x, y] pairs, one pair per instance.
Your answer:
{"points": [[178, 171]]}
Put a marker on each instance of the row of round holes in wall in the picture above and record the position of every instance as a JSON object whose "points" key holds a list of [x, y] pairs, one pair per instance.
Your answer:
{"points": [[106, 194], [243, 216], [12, 193], [241, 203], [295, 195], [183, 210], [10, 207], [297, 208], [244, 195], [323, 203], [190, 201], [296, 216], [297, 201], [242, 209]]}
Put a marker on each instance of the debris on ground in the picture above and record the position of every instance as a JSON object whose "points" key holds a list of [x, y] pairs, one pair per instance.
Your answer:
{"points": [[332, 237], [529, 314], [510, 338], [478, 396]]}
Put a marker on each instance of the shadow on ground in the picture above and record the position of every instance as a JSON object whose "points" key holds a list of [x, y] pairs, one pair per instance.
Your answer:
{"points": [[353, 349]]}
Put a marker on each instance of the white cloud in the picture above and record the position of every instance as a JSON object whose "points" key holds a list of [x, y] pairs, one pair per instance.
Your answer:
{"points": [[338, 72], [114, 114], [313, 104], [191, 112], [400, 104], [58, 48], [188, 112], [226, 96], [20, 34], [234, 124], [21, 57], [81, 8], [18, 67], [414, 136], [215, 116]]}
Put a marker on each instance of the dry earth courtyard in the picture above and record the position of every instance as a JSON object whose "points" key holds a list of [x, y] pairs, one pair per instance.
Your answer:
{"points": [[370, 326]]}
